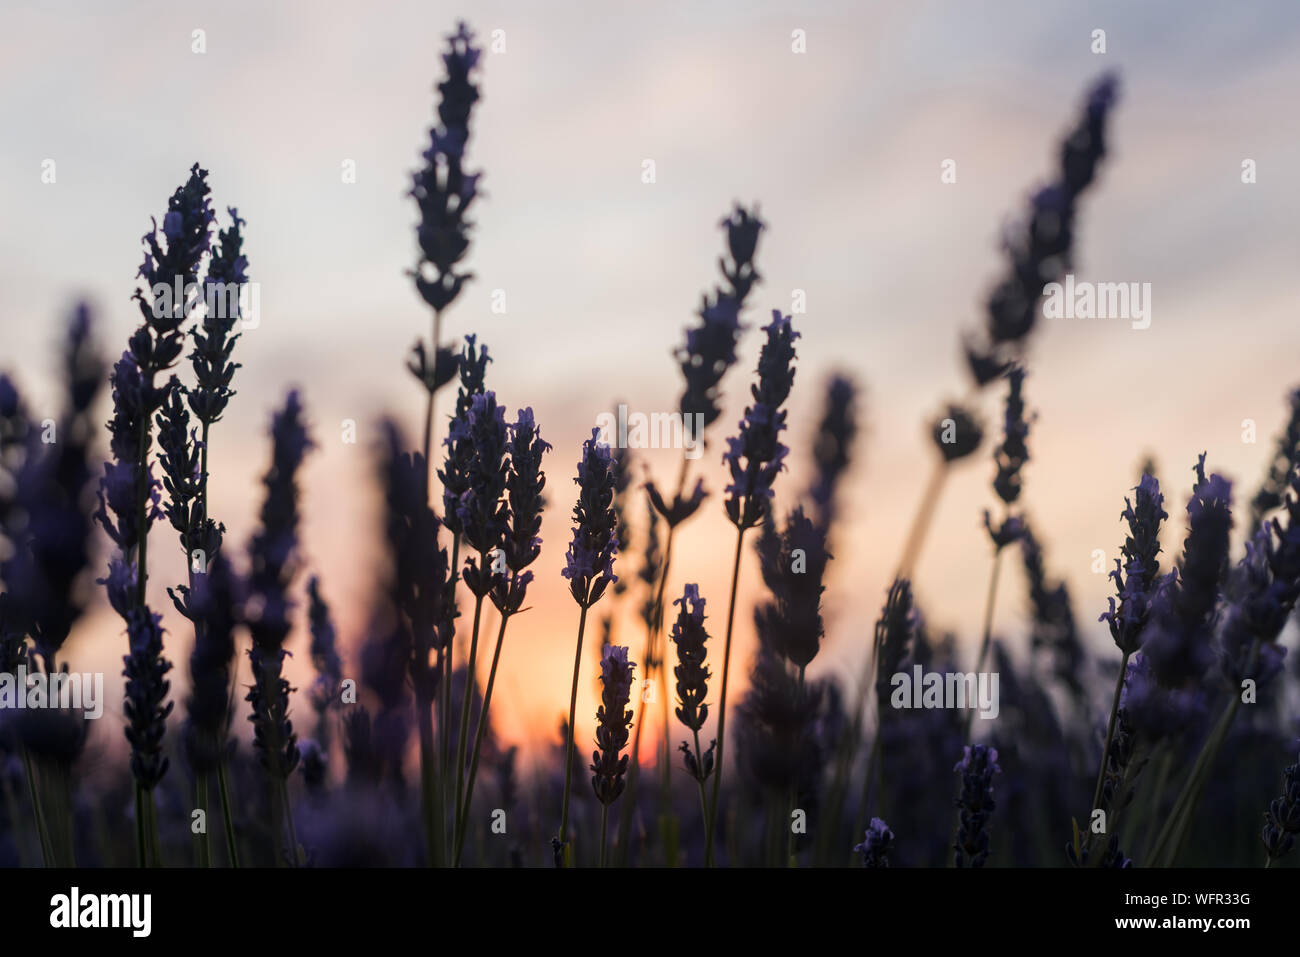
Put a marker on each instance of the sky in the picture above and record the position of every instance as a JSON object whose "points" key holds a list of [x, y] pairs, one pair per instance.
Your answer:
{"points": [[841, 145]]}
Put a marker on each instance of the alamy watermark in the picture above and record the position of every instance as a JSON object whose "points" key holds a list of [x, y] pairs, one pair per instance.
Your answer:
{"points": [[952, 689], [658, 430], [1098, 300], [223, 300], [63, 690]]}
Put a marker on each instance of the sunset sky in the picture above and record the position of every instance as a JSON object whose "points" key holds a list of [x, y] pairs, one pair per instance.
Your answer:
{"points": [[841, 146]]}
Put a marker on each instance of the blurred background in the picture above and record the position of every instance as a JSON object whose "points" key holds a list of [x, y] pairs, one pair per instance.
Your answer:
{"points": [[841, 146]]}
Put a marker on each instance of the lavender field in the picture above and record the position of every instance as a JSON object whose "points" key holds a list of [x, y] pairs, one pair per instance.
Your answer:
{"points": [[868, 552]]}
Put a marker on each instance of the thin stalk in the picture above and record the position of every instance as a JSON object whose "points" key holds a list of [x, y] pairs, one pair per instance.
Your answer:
{"points": [[202, 845], [563, 834], [471, 683], [231, 849], [479, 734], [428, 409], [141, 828], [1110, 734], [42, 830], [988, 625], [288, 818], [726, 668], [428, 783], [921, 522], [604, 828], [444, 718], [794, 785]]}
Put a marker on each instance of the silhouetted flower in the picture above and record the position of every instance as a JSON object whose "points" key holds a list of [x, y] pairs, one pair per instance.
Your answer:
{"points": [[273, 565], [895, 634], [215, 337], [875, 847], [441, 187], [146, 702], [957, 433], [831, 449], [211, 604], [975, 803], [482, 509], [613, 718], [1039, 248], [758, 443], [1135, 579], [682, 507], [325, 659], [710, 348], [589, 563], [794, 566], [1282, 820], [525, 483]]}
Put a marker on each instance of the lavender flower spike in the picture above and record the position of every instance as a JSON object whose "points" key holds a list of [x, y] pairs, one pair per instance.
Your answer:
{"points": [[875, 847], [273, 565], [1282, 820], [975, 803], [146, 702], [1135, 579], [756, 456], [589, 564], [692, 676], [613, 718]]}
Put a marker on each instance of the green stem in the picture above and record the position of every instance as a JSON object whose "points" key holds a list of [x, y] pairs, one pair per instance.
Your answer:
{"points": [[42, 830], [1110, 736], [202, 846], [990, 601], [563, 835], [232, 850], [463, 823], [726, 669], [604, 828], [471, 684]]}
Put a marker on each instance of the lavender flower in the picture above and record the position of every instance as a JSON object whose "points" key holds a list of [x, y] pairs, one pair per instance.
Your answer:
{"points": [[613, 718], [794, 566], [682, 507], [1282, 820], [212, 605], [441, 187], [589, 563], [325, 659], [758, 443], [119, 501], [1268, 586], [831, 449], [455, 474], [214, 339], [1178, 634], [267, 608], [1272, 492], [482, 512], [525, 483], [975, 803], [1039, 249], [895, 634], [710, 348], [957, 433], [1135, 579], [875, 847], [421, 584], [692, 675], [179, 456], [49, 551], [146, 702]]}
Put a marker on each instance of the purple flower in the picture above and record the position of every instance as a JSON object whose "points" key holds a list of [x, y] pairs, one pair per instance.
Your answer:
{"points": [[613, 718], [1135, 579], [441, 187], [212, 605], [794, 566], [756, 456], [1039, 249], [710, 348], [875, 847], [146, 702], [835, 434], [589, 563], [1282, 820], [482, 509], [525, 482], [975, 803], [692, 673], [272, 561], [214, 339]]}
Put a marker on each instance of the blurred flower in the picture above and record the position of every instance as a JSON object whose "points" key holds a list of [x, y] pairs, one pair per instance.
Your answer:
{"points": [[612, 722], [589, 564], [875, 847]]}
